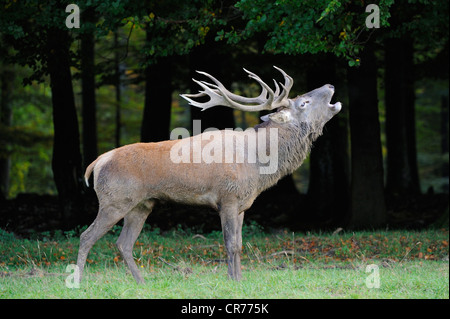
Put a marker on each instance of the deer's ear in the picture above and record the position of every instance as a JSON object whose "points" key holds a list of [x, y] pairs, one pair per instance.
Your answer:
{"points": [[283, 116]]}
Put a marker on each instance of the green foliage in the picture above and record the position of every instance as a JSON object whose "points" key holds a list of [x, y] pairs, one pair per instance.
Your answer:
{"points": [[149, 30], [251, 228], [415, 16], [309, 26], [174, 27], [24, 27], [176, 32], [28, 141], [6, 237], [280, 265]]}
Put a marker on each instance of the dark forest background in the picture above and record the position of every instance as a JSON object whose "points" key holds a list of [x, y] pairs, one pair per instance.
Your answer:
{"points": [[69, 94]]}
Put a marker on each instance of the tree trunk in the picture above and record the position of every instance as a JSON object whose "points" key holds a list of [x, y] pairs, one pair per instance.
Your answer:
{"points": [[66, 161], [210, 58], [158, 101], [118, 85], [329, 186], [402, 173], [6, 89], [444, 141], [89, 136], [367, 203]]}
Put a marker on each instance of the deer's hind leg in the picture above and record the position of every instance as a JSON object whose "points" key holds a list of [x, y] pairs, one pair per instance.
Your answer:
{"points": [[132, 226], [106, 218]]}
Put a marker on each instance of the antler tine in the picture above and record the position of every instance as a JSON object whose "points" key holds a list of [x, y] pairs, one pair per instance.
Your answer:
{"points": [[282, 99], [236, 98], [277, 88], [253, 76], [215, 99], [288, 81]]}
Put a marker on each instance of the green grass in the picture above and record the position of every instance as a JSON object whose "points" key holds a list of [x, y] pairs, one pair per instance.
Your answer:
{"points": [[181, 264]]}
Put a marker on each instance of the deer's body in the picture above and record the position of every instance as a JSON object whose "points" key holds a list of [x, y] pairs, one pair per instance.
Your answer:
{"points": [[143, 171], [131, 179]]}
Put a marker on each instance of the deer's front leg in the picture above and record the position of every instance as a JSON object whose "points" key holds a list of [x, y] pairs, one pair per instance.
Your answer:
{"points": [[232, 235], [237, 264]]}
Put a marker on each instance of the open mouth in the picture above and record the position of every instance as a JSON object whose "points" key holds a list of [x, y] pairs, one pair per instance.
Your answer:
{"points": [[336, 107]]}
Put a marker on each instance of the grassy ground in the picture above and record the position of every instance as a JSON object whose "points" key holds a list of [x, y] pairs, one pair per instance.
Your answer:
{"points": [[180, 264]]}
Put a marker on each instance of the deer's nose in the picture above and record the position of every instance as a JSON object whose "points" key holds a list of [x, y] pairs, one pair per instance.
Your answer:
{"points": [[330, 86]]}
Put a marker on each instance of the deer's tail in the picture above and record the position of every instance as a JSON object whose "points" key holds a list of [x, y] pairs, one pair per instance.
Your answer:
{"points": [[99, 162], [89, 170]]}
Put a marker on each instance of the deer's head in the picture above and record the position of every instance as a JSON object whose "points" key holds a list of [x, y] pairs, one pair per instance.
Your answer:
{"points": [[313, 107]]}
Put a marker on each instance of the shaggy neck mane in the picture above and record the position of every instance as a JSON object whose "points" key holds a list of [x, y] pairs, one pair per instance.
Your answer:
{"points": [[294, 144]]}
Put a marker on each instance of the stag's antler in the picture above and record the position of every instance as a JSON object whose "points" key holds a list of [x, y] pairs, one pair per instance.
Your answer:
{"points": [[219, 95]]}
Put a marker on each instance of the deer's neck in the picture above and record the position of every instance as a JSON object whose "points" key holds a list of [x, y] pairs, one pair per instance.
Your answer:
{"points": [[294, 144]]}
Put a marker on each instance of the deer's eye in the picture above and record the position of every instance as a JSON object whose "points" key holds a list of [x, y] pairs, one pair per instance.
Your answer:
{"points": [[302, 105]]}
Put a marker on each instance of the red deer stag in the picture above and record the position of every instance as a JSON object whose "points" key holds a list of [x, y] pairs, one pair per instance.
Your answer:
{"points": [[225, 170]]}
